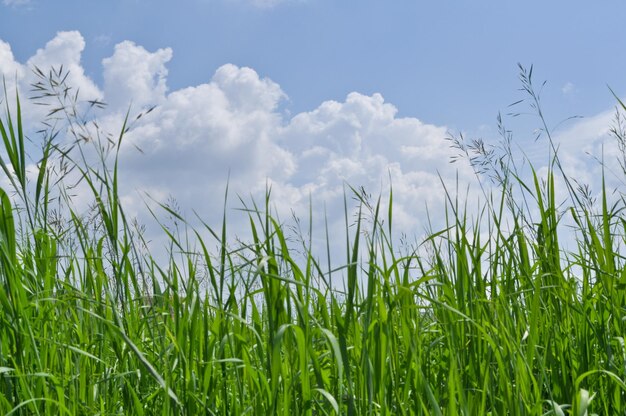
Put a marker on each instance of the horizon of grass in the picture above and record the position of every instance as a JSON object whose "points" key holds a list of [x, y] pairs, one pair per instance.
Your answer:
{"points": [[91, 324]]}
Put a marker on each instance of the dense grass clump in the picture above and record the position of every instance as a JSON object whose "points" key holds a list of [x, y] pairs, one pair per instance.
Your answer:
{"points": [[488, 316]]}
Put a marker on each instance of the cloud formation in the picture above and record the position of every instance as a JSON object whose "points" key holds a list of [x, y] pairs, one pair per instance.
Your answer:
{"points": [[134, 75], [11, 69], [65, 50], [232, 128]]}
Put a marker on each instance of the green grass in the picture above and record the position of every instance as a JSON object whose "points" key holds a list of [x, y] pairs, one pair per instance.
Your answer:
{"points": [[488, 316]]}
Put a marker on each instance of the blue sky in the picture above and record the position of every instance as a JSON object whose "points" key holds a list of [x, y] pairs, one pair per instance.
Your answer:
{"points": [[450, 63], [307, 94]]}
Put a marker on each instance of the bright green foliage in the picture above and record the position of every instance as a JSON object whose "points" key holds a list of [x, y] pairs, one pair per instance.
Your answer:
{"points": [[492, 320]]}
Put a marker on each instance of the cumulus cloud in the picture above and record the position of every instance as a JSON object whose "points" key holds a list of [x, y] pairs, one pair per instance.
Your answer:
{"points": [[201, 136], [63, 51], [135, 75], [10, 68], [66, 50], [361, 141], [231, 128]]}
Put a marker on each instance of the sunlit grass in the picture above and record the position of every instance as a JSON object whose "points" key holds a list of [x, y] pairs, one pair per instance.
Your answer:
{"points": [[488, 316]]}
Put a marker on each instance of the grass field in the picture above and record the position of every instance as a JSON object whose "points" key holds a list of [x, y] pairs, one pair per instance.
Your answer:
{"points": [[488, 316]]}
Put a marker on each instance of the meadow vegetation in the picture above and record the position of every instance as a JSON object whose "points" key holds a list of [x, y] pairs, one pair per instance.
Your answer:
{"points": [[488, 315]]}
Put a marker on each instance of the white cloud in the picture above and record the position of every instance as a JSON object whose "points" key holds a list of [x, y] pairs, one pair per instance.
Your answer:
{"points": [[231, 126], [199, 134], [135, 75], [65, 50], [9, 67]]}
